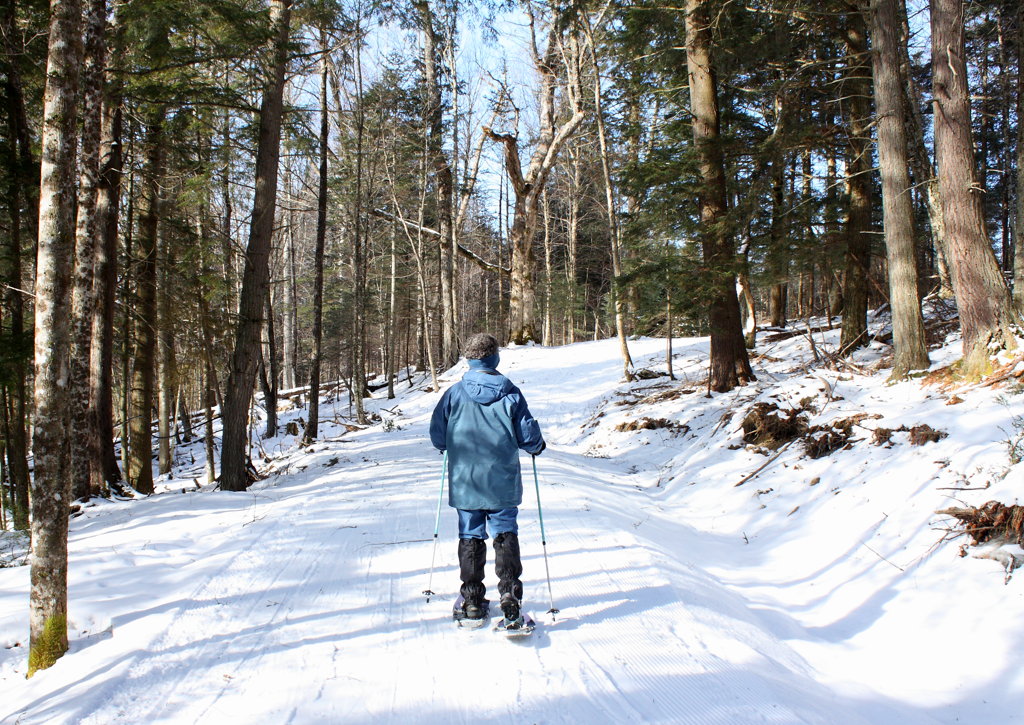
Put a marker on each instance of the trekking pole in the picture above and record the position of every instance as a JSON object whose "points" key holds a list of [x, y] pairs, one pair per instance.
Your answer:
{"points": [[437, 527], [543, 541]]}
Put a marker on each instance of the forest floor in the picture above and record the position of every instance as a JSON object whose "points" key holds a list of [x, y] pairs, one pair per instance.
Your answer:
{"points": [[701, 578]]}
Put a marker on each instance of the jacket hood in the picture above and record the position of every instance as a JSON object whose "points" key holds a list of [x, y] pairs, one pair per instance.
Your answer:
{"points": [[485, 386]]}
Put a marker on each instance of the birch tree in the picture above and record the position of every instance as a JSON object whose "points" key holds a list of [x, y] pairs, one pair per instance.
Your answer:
{"points": [[50, 494]]}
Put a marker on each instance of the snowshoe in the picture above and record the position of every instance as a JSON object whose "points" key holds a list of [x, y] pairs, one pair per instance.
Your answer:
{"points": [[522, 626], [469, 616]]}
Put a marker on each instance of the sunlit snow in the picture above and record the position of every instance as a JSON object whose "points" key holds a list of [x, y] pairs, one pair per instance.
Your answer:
{"points": [[821, 591]]}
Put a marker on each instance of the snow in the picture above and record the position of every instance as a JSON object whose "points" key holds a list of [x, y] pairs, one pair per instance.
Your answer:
{"points": [[819, 591]]}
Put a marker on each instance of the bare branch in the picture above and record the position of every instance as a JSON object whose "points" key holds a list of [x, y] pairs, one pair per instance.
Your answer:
{"points": [[465, 252]]}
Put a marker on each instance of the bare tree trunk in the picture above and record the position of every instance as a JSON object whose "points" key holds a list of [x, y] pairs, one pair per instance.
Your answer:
{"points": [[669, 326], [168, 361], [527, 186], [84, 446], [48, 596], [618, 296], [417, 245], [1018, 247], [105, 471], [127, 321], [15, 436], [209, 400], [546, 333], [227, 248], [23, 176], [289, 347], [748, 312], [184, 415], [424, 315], [313, 421], [500, 244], [832, 231], [897, 203], [730, 365], [166, 428], [358, 347], [235, 465], [212, 385], [523, 289], [1005, 101], [778, 250], [390, 344], [433, 119], [986, 312], [572, 233], [271, 373], [3, 465], [924, 172], [858, 182], [140, 465]]}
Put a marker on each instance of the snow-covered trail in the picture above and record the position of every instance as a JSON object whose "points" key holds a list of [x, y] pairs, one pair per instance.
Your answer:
{"points": [[300, 601]]}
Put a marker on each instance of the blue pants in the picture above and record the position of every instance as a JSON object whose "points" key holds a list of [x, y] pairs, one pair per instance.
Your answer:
{"points": [[473, 524]]}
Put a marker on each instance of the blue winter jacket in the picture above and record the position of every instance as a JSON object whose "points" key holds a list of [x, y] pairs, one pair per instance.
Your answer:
{"points": [[483, 421]]}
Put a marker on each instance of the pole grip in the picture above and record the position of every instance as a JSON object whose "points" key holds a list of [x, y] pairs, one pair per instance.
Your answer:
{"points": [[440, 495]]}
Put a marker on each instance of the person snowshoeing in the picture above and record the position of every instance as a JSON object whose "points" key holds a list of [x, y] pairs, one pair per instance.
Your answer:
{"points": [[483, 422]]}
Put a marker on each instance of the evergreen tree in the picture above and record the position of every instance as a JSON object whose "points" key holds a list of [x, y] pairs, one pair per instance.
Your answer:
{"points": [[235, 466], [897, 204], [986, 314]]}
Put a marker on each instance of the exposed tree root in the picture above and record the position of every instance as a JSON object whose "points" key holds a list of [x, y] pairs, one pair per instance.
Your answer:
{"points": [[653, 424], [919, 434], [768, 425], [823, 440], [993, 521]]}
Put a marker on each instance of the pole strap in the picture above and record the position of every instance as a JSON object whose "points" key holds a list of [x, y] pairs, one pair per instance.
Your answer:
{"points": [[440, 495]]}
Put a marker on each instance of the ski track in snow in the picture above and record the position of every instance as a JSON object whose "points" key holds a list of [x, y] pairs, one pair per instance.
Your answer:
{"points": [[300, 600]]}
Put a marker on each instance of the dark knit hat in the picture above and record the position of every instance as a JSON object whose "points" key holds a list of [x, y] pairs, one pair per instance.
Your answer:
{"points": [[480, 346]]}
